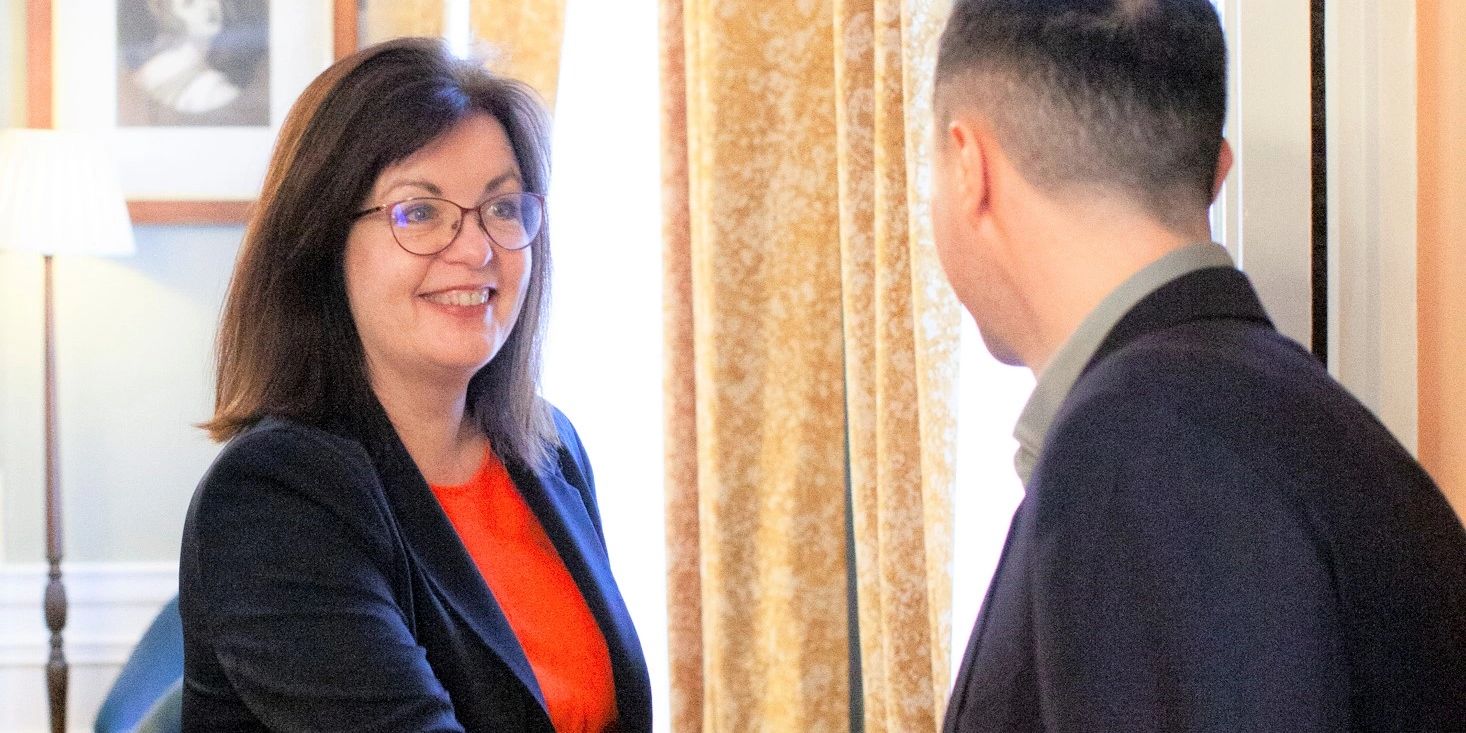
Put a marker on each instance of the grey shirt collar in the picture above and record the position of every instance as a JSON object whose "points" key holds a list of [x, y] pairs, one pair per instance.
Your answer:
{"points": [[1062, 371]]}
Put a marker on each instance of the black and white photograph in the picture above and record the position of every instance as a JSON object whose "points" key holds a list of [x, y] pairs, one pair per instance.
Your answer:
{"points": [[193, 63]]}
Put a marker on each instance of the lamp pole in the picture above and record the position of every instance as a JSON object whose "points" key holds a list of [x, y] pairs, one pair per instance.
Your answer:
{"points": [[61, 172], [56, 667]]}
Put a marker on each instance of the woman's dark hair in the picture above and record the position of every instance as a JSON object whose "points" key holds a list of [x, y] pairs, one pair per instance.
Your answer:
{"points": [[287, 344]]}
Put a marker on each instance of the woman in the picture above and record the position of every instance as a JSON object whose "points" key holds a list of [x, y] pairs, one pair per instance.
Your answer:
{"points": [[400, 535]]}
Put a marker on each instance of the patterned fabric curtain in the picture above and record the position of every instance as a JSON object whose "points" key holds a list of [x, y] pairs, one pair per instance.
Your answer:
{"points": [[758, 598], [523, 36], [527, 35], [385, 19], [900, 325], [811, 348]]}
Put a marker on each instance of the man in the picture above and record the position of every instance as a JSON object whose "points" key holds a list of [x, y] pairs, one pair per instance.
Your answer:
{"points": [[1214, 534]]}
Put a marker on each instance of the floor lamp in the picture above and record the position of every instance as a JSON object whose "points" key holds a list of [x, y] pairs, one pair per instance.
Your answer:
{"points": [[59, 195]]}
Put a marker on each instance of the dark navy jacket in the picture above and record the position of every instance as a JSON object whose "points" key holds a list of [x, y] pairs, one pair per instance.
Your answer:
{"points": [[1218, 537], [323, 588]]}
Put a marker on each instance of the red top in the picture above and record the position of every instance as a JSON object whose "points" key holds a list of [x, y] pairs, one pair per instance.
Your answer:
{"points": [[540, 599]]}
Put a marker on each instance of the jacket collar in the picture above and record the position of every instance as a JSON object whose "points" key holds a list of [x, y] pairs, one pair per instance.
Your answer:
{"points": [[1211, 293], [563, 511], [430, 535]]}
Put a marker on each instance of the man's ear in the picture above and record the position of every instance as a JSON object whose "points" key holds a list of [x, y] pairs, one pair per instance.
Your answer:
{"points": [[1224, 166], [971, 163]]}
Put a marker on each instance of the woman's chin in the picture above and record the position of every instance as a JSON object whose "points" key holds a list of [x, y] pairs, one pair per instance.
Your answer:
{"points": [[463, 365], [462, 369]]}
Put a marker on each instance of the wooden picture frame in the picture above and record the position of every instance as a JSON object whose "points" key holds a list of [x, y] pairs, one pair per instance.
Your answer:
{"points": [[42, 77]]}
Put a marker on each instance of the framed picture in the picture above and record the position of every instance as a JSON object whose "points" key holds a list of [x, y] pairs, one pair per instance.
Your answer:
{"points": [[190, 94]]}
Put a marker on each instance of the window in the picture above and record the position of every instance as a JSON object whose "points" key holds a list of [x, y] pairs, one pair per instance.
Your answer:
{"points": [[603, 356]]}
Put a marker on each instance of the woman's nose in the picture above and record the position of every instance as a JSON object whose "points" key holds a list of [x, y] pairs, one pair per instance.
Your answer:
{"points": [[471, 245]]}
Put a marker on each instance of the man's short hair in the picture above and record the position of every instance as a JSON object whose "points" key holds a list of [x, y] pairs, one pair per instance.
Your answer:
{"points": [[1123, 95]]}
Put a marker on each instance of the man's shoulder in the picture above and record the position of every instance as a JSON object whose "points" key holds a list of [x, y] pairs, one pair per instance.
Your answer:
{"points": [[1207, 372], [1205, 350], [1215, 390], [1183, 409]]}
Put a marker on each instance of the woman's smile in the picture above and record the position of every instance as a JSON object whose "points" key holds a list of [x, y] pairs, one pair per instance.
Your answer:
{"points": [[461, 297]]}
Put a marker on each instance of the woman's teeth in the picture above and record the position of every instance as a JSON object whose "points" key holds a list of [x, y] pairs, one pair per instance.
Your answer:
{"points": [[460, 297]]}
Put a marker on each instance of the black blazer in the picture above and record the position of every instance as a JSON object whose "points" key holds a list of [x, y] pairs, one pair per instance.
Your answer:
{"points": [[323, 588], [1218, 537]]}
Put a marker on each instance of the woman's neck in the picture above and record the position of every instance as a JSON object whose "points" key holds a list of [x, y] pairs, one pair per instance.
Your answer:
{"points": [[431, 419]]}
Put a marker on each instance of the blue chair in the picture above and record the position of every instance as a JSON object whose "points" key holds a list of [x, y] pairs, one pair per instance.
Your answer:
{"points": [[148, 694]]}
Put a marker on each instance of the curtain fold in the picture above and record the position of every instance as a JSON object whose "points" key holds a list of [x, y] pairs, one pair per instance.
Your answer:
{"points": [[806, 316], [684, 575], [938, 317], [765, 556], [900, 335]]}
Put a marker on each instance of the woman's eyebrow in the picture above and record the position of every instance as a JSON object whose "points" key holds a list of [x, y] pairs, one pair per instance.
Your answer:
{"points": [[428, 186], [494, 183], [498, 181]]}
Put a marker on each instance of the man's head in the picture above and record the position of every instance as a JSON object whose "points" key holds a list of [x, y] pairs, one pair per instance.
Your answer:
{"points": [[1119, 101]]}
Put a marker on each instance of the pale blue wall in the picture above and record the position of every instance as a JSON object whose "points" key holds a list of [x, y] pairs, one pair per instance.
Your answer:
{"points": [[134, 353]]}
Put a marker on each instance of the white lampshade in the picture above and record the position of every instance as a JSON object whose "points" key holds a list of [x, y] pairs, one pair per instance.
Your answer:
{"points": [[59, 195]]}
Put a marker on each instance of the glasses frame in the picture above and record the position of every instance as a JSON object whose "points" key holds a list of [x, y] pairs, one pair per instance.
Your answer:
{"points": [[462, 214]]}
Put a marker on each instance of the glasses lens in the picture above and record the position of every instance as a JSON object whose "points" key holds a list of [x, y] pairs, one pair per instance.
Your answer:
{"points": [[424, 226], [513, 220]]}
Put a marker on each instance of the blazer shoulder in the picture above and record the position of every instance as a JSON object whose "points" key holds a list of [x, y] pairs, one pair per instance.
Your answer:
{"points": [[283, 483], [1178, 401], [282, 465], [570, 447], [574, 465], [1195, 367], [286, 448], [564, 429], [1151, 439], [1160, 398]]}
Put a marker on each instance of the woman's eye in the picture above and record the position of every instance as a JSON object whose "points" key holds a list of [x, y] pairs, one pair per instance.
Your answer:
{"points": [[416, 213], [505, 209]]}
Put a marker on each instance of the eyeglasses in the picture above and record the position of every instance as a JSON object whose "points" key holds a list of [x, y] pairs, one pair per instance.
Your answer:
{"points": [[426, 226]]}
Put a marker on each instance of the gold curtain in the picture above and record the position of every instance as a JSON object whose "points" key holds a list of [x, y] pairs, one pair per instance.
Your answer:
{"points": [[523, 36], [527, 35], [900, 343], [757, 447], [811, 343], [386, 19]]}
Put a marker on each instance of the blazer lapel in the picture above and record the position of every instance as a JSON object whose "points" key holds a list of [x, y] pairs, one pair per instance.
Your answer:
{"points": [[562, 513], [432, 537]]}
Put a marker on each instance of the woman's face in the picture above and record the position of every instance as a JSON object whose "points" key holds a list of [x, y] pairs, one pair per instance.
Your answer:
{"points": [[199, 19], [438, 317]]}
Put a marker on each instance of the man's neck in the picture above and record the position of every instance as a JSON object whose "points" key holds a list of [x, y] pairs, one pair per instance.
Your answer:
{"points": [[1076, 259]]}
